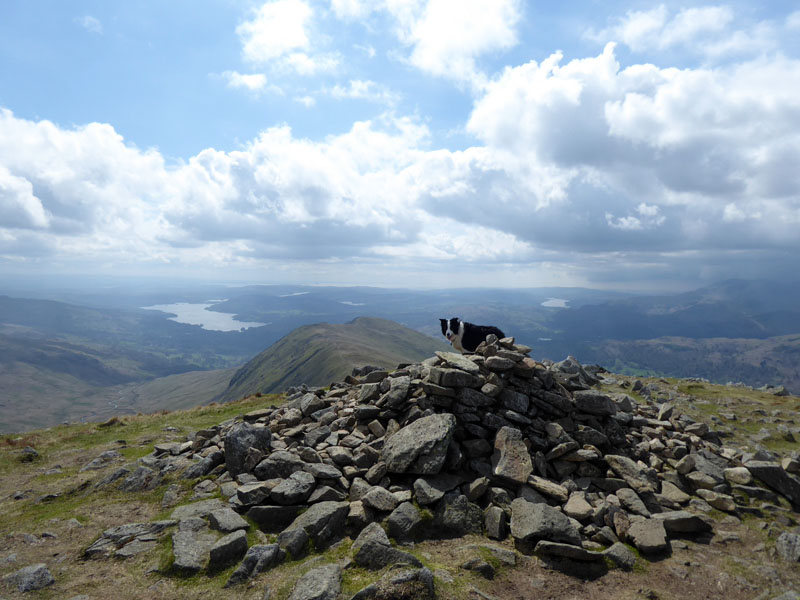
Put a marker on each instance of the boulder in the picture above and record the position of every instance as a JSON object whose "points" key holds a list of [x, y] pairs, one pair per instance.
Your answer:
{"points": [[511, 460], [421, 447], [239, 439], [531, 523], [321, 583], [257, 560], [323, 522], [28, 579], [649, 536]]}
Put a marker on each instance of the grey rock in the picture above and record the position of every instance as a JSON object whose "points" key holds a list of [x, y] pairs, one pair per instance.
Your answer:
{"points": [[226, 520], [511, 460], [421, 447], [375, 555], [775, 477], [457, 516], [631, 501], [404, 522], [323, 522], [239, 439], [594, 403], [323, 471], [257, 560], [190, 548], [397, 394], [372, 532], [788, 546], [649, 536], [458, 361], [680, 521], [273, 519], [452, 378], [197, 509], [142, 479], [294, 542], [324, 493], [428, 490], [547, 548], [293, 490], [227, 550], [479, 566], [641, 479], [102, 461], [278, 465], [33, 577], [310, 403], [321, 583], [204, 466], [495, 523], [533, 522], [379, 498], [621, 555], [498, 363]]}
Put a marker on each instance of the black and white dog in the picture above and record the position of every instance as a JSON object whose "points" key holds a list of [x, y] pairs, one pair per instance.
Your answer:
{"points": [[464, 336]]}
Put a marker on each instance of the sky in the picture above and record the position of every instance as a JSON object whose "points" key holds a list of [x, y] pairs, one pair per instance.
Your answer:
{"points": [[413, 143]]}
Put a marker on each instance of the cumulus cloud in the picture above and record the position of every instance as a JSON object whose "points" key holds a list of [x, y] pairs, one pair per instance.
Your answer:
{"points": [[253, 82], [360, 89], [277, 34], [705, 30]]}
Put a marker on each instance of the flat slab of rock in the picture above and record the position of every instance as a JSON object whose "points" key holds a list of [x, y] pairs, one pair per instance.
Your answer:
{"points": [[775, 477], [322, 583], [547, 548], [323, 522], [649, 536], [226, 520], [375, 555], [257, 560], [641, 479], [511, 460], [197, 509], [28, 579], [531, 523], [227, 550], [458, 361], [680, 521], [421, 447]]}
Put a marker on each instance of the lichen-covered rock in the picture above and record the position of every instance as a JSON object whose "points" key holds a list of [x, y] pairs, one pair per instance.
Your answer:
{"points": [[28, 579], [421, 447], [239, 439], [533, 522], [321, 583]]}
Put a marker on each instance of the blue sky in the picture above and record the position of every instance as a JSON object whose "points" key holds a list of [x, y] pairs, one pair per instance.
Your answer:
{"points": [[401, 142]]}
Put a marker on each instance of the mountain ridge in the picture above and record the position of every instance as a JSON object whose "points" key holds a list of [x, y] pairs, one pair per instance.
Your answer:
{"points": [[321, 353]]}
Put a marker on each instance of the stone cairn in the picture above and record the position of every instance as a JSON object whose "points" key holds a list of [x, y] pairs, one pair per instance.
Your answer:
{"points": [[492, 443]]}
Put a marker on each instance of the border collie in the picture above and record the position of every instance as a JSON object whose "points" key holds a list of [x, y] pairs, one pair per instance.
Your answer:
{"points": [[464, 336]]}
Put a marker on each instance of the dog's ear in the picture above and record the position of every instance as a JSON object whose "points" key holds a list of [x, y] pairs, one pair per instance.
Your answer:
{"points": [[443, 321]]}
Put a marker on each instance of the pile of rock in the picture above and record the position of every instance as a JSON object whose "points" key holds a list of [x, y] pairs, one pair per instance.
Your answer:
{"points": [[492, 443]]}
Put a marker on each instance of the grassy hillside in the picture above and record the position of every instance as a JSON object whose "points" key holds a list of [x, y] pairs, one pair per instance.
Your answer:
{"points": [[774, 361], [323, 353]]}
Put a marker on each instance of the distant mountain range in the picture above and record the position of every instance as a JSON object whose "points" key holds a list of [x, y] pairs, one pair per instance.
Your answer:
{"points": [[101, 352], [323, 353]]}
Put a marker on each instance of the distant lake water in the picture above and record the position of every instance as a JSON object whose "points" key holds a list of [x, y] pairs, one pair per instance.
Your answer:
{"points": [[198, 314], [555, 303]]}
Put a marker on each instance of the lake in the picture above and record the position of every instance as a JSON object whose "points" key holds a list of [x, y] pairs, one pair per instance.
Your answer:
{"points": [[198, 314]]}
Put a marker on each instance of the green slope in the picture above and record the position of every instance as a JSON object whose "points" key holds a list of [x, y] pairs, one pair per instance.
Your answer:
{"points": [[323, 353]]}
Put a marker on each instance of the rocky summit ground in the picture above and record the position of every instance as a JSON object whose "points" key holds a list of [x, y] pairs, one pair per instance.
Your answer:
{"points": [[484, 476]]}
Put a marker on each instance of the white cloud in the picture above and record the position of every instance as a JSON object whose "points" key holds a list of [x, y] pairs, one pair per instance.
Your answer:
{"points": [[90, 24], [706, 30], [307, 101], [359, 89], [793, 20], [276, 28], [452, 34], [351, 9], [254, 82], [19, 208], [278, 35]]}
